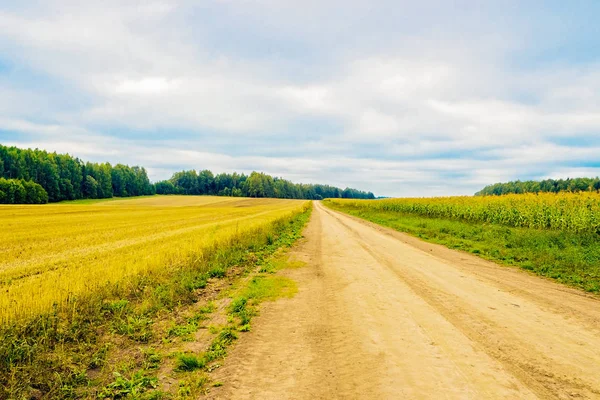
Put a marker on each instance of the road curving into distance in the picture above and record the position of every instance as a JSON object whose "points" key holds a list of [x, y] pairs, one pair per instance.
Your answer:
{"points": [[382, 315]]}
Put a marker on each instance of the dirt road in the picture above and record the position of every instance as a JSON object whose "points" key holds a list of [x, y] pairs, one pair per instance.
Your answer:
{"points": [[381, 315]]}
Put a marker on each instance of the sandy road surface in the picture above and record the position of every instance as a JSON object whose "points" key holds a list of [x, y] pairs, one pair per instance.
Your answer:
{"points": [[381, 315]]}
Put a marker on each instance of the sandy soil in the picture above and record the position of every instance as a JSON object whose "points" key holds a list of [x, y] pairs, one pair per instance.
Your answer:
{"points": [[382, 315]]}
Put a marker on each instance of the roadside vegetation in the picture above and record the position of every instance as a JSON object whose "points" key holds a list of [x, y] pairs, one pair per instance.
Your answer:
{"points": [[553, 235], [135, 334]]}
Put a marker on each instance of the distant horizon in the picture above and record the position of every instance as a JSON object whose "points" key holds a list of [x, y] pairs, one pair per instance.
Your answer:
{"points": [[275, 175], [398, 98]]}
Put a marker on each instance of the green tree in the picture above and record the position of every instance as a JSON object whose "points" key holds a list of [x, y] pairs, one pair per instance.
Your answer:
{"points": [[547, 185], [165, 187], [253, 187], [206, 182], [90, 187]]}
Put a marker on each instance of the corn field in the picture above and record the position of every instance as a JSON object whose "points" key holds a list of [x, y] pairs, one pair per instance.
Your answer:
{"points": [[574, 212]]}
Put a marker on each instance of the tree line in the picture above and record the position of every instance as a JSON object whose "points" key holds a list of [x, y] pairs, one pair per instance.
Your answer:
{"points": [[257, 184], [545, 186], [63, 177], [37, 176]]}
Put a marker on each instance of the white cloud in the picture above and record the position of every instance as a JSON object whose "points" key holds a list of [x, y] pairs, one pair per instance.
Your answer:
{"points": [[146, 86]]}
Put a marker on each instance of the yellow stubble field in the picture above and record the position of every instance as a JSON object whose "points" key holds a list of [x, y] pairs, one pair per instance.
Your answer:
{"points": [[50, 253]]}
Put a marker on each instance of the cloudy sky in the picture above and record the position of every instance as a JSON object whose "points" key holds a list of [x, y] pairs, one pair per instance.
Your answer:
{"points": [[402, 98]]}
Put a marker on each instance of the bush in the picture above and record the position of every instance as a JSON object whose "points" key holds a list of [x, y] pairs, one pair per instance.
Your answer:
{"points": [[19, 191]]}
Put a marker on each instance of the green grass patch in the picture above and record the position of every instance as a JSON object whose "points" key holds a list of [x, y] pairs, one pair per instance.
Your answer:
{"points": [[189, 362], [263, 288], [133, 387], [152, 359], [570, 258], [260, 288], [192, 387], [216, 350], [191, 324], [136, 327], [279, 263]]}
